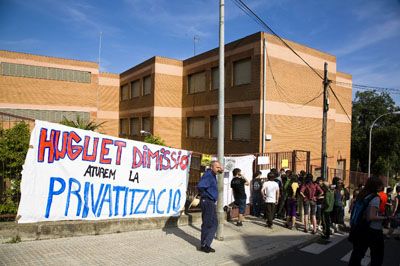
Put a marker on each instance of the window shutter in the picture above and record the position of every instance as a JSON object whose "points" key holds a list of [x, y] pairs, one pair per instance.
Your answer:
{"points": [[241, 127], [242, 72]]}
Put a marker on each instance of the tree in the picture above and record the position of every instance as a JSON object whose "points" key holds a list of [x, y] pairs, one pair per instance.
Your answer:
{"points": [[154, 140], [385, 155], [14, 143], [81, 123]]}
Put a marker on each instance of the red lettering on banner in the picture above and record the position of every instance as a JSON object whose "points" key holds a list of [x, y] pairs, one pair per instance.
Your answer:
{"points": [[74, 150], [104, 151], [120, 144], [46, 144]]}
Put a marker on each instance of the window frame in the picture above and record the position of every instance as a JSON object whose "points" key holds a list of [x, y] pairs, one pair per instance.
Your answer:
{"points": [[189, 78], [212, 78], [233, 125], [188, 123], [234, 71], [131, 89], [120, 126], [131, 133], [148, 77], [121, 92]]}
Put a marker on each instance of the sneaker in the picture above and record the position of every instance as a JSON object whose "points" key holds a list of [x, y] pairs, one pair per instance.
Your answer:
{"points": [[239, 223], [211, 249]]}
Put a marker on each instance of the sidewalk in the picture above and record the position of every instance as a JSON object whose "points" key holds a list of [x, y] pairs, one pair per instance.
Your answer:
{"points": [[252, 243]]}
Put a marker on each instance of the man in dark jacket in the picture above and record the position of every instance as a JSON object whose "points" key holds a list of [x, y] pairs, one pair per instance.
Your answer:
{"points": [[209, 195]]}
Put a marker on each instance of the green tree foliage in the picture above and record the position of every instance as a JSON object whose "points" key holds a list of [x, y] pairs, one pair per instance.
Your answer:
{"points": [[81, 123], [385, 156], [154, 140], [14, 144]]}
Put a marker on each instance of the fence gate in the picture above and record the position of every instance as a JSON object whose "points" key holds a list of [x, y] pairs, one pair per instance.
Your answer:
{"points": [[301, 160]]}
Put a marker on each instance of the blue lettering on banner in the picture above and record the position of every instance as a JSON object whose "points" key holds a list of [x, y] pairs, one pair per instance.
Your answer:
{"points": [[110, 200]]}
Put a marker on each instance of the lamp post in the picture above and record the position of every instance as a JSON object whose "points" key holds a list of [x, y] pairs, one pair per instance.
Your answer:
{"points": [[370, 135], [145, 133]]}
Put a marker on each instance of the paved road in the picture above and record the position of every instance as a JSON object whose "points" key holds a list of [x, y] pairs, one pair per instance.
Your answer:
{"points": [[335, 253]]}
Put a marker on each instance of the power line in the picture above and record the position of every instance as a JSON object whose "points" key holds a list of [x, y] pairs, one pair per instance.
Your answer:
{"points": [[283, 94], [255, 17], [367, 87], [334, 94]]}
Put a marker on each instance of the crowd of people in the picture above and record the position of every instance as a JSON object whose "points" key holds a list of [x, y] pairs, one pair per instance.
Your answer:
{"points": [[290, 196], [287, 195]]}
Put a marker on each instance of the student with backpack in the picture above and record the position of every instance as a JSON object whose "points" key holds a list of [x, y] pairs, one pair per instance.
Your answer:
{"points": [[291, 194], [366, 224]]}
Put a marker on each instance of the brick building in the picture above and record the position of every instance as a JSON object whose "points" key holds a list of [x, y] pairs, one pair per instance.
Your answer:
{"points": [[178, 101], [48, 88]]}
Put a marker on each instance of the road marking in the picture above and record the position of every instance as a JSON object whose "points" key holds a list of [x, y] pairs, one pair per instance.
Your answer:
{"points": [[317, 248], [365, 261]]}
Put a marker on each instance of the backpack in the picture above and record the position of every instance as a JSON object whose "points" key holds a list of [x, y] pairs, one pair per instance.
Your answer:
{"points": [[358, 221], [290, 193]]}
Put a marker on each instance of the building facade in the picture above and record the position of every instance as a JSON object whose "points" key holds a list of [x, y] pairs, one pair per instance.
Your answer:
{"points": [[178, 101], [48, 88]]}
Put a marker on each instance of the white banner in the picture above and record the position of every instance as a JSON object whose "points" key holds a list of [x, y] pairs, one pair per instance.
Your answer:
{"points": [[74, 174], [245, 164]]}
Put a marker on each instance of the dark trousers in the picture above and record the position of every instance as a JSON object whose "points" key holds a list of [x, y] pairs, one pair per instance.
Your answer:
{"points": [[210, 222], [269, 211], [372, 239], [281, 211], [257, 201], [326, 223]]}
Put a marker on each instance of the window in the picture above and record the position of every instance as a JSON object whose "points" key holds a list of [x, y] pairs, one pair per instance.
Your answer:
{"points": [[242, 72], [28, 71], [215, 78], [135, 88], [134, 126], [195, 127], [197, 82], [214, 126], [241, 126], [124, 126], [125, 92], [147, 85], [146, 124]]}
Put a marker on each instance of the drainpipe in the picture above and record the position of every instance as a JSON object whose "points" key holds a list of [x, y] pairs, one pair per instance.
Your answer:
{"points": [[263, 150]]}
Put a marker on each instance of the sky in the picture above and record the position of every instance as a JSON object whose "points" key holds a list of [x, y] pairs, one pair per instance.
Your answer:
{"points": [[364, 35]]}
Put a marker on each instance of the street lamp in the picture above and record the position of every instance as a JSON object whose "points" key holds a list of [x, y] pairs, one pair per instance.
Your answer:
{"points": [[145, 133], [370, 134]]}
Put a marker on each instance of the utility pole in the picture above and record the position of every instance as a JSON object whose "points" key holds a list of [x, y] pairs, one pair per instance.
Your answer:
{"points": [[324, 155], [221, 123]]}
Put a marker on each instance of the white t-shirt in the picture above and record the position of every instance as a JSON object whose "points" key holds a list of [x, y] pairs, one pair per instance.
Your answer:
{"points": [[269, 189]]}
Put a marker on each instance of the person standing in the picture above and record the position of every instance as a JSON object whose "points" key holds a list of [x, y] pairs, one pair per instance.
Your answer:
{"points": [[373, 237], [270, 192], [326, 209], [239, 194], [208, 197], [309, 192], [291, 193], [256, 186]]}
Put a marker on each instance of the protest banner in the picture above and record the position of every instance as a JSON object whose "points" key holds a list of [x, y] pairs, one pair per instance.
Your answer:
{"points": [[74, 174]]}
